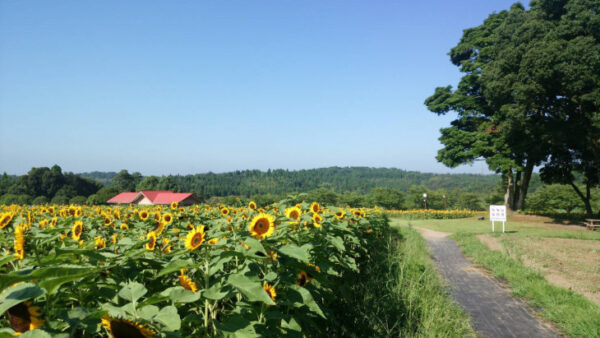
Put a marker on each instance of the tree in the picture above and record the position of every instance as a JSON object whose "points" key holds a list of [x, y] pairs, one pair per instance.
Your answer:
{"points": [[124, 181], [529, 74], [554, 197], [148, 183], [387, 198]]}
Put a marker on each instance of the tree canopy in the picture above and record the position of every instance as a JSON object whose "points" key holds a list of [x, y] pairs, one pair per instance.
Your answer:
{"points": [[529, 96]]}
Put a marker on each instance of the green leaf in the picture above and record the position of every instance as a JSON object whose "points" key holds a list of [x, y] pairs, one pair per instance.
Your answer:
{"points": [[7, 259], [114, 311], [37, 333], [236, 326], [148, 312], [52, 284], [180, 295], [17, 294], [251, 289], [169, 317], [177, 265], [132, 291], [338, 243], [306, 299], [215, 292], [294, 251]]}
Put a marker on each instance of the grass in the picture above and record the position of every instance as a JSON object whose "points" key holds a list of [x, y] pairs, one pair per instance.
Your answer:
{"points": [[400, 294], [572, 313]]}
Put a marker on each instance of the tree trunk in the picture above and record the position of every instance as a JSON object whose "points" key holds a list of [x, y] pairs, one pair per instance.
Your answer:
{"points": [[524, 185], [585, 199], [517, 191], [509, 195]]}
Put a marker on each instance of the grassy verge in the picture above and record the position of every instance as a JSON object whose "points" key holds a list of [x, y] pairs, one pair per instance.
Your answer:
{"points": [[574, 315], [399, 294]]}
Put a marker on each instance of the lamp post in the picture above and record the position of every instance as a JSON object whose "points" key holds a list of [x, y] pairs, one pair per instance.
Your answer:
{"points": [[444, 197], [425, 200]]}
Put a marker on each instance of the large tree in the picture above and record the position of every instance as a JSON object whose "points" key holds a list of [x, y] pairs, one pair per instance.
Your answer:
{"points": [[519, 93]]}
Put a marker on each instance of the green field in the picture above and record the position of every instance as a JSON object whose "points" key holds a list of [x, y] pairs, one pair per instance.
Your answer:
{"points": [[554, 267]]}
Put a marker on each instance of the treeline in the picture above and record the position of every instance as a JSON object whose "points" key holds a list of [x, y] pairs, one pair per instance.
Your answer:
{"points": [[354, 186], [360, 180], [46, 185]]}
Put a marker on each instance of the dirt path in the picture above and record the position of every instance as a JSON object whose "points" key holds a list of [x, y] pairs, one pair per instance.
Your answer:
{"points": [[494, 313]]}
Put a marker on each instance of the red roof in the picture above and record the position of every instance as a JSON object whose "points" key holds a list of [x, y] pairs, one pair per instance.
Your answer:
{"points": [[168, 197], [124, 197], [155, 196]]}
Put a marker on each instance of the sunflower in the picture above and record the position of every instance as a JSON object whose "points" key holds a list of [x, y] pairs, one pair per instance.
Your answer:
{"points": [[120, 328], [166, 245], [262, 225], [270, 290], [357, 213], [78, 212], [174, 205], [252, 205], [99, 243], [195, 238], [144, 214], [317, 219], [167, 218], [53, 222], [304, 277], [225, 211], [25, 317], [315, 207], [77, 230], [213, 241], [5, 219], [108, 221], [159, 228], [340, 215], [293, 213], [187, 282], [151, 238], [20, 241], [124, 226]]}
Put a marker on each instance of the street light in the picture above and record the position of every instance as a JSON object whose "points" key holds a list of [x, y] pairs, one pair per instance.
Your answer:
{"points": [[444, 197], [425, 200]]}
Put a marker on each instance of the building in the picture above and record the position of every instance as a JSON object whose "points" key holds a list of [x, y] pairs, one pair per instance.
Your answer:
{"points": [[149, 197]]}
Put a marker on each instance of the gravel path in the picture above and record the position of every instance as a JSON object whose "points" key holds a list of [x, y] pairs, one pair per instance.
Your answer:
{"points": [[494, 313]]}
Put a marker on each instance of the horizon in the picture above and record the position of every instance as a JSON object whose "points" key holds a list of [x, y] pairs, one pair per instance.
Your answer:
{"points": [[265, 170], [187, 87]]}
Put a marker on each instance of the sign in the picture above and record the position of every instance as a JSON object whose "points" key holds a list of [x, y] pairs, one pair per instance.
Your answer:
{"points": [[498, 213]]}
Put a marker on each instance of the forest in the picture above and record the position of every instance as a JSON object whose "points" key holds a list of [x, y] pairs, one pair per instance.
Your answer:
{"points": [[354, 186]]}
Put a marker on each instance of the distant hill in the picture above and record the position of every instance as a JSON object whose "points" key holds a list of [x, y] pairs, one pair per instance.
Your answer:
{"points": [[103, 178], [339, 179]]}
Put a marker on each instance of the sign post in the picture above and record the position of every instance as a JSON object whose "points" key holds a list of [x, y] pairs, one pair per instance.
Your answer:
{"points": [[498, 213]]}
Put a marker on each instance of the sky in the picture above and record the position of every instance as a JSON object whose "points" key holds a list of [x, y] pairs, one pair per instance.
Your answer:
{"points": [[181, 87]]}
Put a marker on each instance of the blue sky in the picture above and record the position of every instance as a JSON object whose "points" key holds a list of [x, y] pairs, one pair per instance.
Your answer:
{"points": [[178, 87]]}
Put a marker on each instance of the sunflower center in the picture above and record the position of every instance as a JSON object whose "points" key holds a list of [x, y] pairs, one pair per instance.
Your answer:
{"points": [[197, 240], [124, 329], [294, 214], [262, 225], [18, 316]]}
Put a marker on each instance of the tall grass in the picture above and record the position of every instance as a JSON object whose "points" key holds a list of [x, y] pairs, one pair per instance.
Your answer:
{"points": [[574, 315], [399, 294]]}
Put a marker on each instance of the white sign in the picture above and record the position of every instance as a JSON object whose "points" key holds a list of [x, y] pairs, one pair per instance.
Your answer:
{"points": [[498, 213]]}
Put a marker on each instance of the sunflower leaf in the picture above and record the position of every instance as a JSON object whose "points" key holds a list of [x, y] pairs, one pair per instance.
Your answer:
{"points": [[251, 289], [297, 252], [181, 295], [177, 265], [169, 317], [17, 294], [132, 291]]}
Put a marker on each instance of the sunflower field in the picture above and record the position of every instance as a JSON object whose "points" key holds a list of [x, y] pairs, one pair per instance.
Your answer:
{"points": [[139, 271], [434, 214]]}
